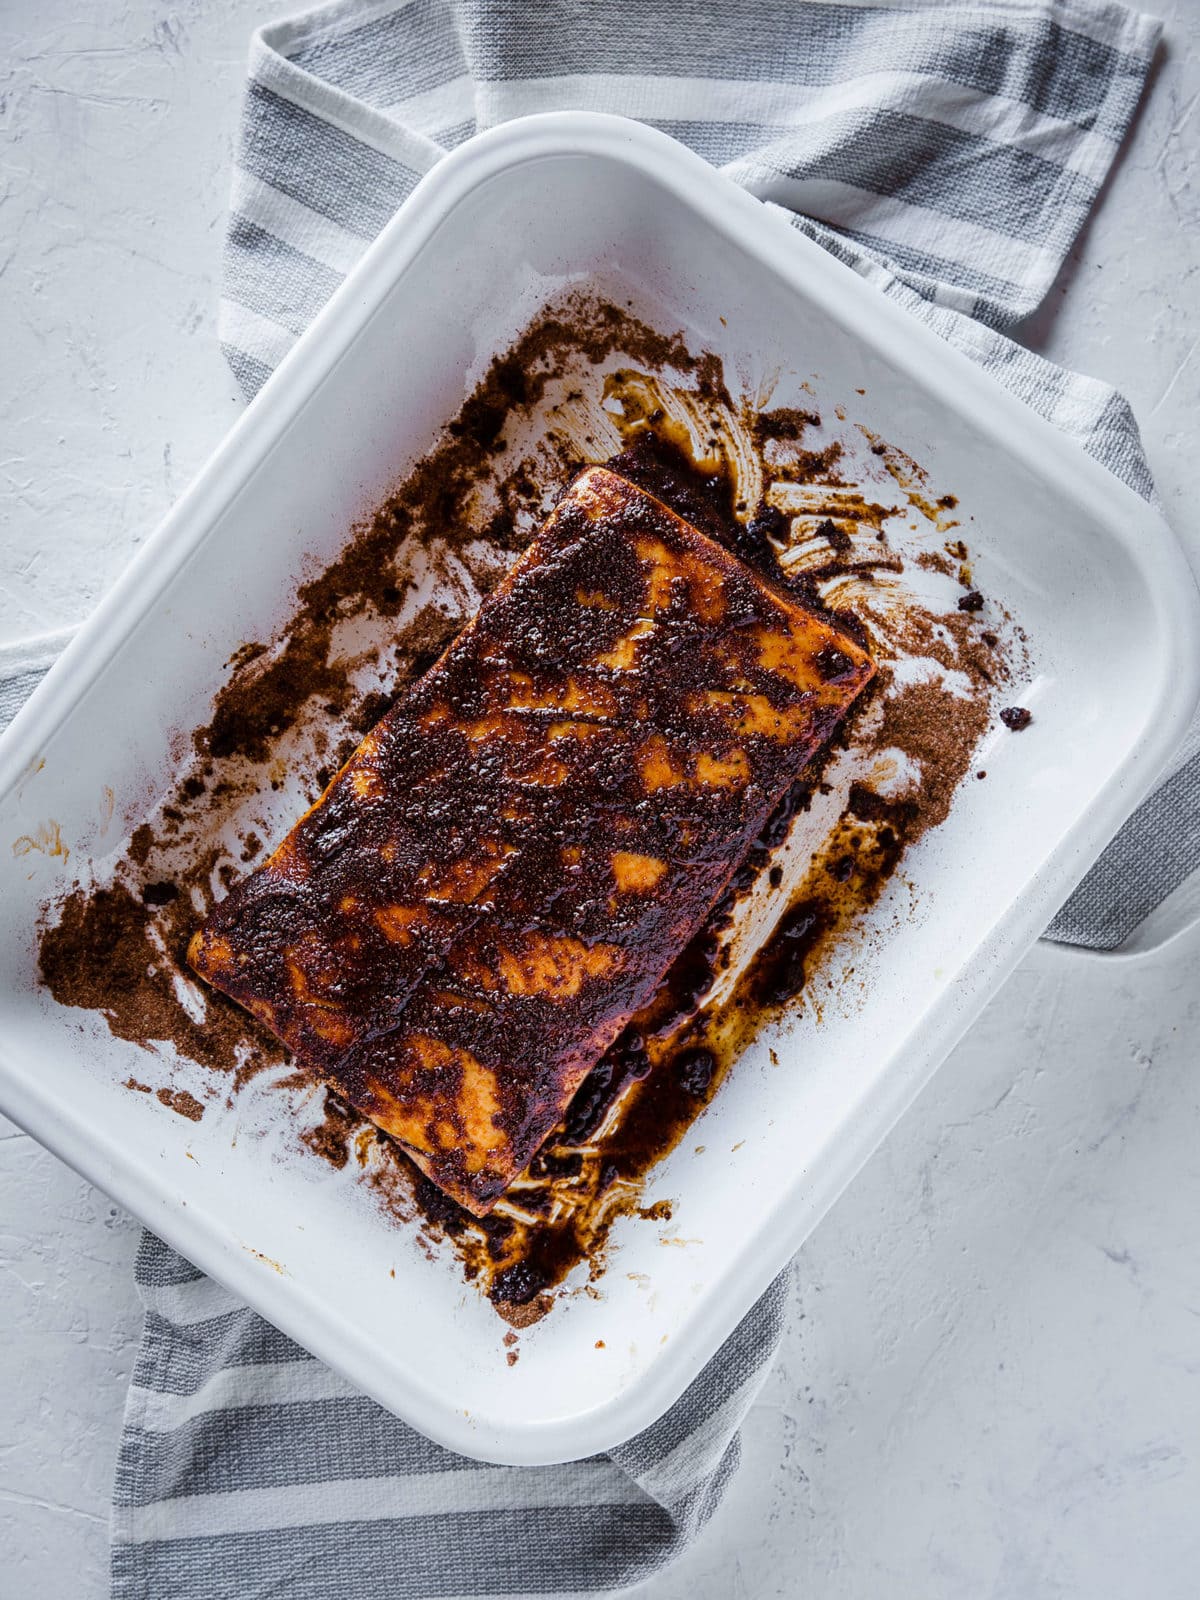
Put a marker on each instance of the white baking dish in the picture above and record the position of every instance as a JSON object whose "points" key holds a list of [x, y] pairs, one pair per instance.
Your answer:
{"points": [[1090, 572]]}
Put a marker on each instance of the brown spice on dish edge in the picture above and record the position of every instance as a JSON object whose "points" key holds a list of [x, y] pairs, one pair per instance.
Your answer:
{"points": [[182, 1102], [1016, 718]]}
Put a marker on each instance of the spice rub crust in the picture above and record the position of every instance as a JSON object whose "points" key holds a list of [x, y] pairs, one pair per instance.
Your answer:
{"points": [[498, 878]]}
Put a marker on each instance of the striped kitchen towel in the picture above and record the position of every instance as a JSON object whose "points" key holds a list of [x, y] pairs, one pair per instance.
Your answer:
{"points": [[248, 1469], [949, 153]]}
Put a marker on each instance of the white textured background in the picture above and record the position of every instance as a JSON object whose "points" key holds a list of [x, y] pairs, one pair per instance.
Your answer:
{"points": [[992, 1387]]}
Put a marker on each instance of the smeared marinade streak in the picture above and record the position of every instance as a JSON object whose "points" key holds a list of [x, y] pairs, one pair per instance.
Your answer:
{"points": [[501, 874], [586, 378]]}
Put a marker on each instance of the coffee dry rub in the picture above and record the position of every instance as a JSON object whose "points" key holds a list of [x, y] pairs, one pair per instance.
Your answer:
{"points": [[502, 873], [301, 700]]}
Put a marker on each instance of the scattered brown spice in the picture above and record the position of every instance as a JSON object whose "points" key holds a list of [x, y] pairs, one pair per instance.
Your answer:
{"points": [[524, 1316], [141, 844], [102, 955], [933, 561], [784, 422], [810, 466], [332, 1138], [939, 730], [181, 1101]]}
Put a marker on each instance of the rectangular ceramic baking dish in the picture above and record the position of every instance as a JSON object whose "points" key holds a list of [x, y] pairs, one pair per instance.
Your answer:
{"points": [[1086, 568]]}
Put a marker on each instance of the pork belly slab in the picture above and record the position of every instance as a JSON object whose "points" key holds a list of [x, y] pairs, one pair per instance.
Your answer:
{"points": [[502, 873]]}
